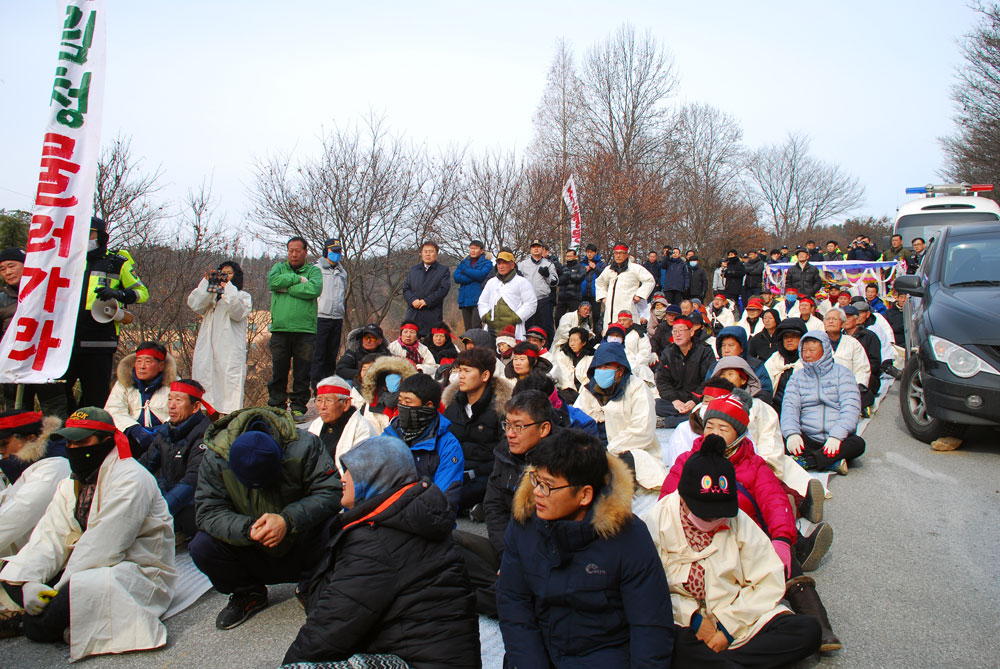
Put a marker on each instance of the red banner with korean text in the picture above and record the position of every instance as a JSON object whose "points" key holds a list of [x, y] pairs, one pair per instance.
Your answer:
{"points": [[573, 204], [37, 345]]}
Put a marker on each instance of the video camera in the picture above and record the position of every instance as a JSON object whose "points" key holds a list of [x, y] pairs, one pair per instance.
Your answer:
{"points": [[216, 281]]}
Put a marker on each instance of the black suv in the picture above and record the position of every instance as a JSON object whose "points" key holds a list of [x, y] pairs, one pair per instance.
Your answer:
{"points": [[952, 373]]}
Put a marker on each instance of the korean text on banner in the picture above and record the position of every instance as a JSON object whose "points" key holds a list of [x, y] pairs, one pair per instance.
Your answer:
{"points": [[573, 204], [37, 345]]}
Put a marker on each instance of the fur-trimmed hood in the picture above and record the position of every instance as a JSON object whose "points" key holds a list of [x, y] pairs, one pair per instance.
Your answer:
{"points": [[387, 364], [609, 512], [127, 365], [33, 451], [502, 392]]}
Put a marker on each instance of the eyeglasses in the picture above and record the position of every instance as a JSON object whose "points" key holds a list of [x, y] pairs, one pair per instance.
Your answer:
{"points": [[517, 429], [544, 487]]}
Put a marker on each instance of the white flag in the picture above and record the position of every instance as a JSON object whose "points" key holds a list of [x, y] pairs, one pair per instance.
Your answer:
{"points": [[573, 204]]}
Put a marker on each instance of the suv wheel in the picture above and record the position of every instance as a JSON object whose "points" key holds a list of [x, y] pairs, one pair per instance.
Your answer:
{"points": [[913, 406]]}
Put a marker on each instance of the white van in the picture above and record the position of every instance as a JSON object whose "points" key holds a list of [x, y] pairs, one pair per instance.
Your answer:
{"points": [[941, 205]]}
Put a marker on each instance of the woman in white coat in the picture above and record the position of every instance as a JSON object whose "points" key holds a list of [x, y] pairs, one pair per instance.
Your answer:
{"points": [[101, 561], [34, 468], [220, 354]]}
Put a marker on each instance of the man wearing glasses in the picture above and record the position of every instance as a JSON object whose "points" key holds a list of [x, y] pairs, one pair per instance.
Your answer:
{"points": [[684, 364], [581, 583], [530, 421]]}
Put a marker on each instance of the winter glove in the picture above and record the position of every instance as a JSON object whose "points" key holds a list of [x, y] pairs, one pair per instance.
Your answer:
{"points": [[36, 597], [784, 551], [831, 447], [544, 271], [794, 444], [140, 438], [105, 293]]}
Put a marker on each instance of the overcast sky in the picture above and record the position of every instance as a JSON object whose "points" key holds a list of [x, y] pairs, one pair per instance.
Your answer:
{"points": [[204, 87]]}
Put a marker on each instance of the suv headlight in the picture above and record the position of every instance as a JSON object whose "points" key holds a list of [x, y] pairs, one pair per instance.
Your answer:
{"points": [[961, 362]]}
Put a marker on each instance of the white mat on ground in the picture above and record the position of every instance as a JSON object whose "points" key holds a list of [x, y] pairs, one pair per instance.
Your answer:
{"points": [[490, 643], [191, 584]]}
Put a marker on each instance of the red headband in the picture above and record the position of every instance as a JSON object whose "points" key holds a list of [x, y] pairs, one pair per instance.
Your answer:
{"points": [[529, 352], [193, 391], [20, 420], [332, 390], [152, 353], [807, 299], [711, 391], [683, 321], [621, 247], [439, 331], [625, 312], [121, 441], [408, 326]]}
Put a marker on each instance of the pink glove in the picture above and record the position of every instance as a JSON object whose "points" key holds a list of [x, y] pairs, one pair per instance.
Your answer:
{"points": [[784, 551]]}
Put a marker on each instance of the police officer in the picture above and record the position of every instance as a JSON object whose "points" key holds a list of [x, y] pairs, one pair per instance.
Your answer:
{"points": [[110, 275]]}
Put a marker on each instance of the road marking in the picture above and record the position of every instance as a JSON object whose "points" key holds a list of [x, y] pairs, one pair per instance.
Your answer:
{"points": [[906, 463]]}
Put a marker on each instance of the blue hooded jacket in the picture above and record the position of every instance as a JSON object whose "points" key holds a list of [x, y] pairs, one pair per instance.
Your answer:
{"points": [[587, 287], [756, 365], [606, 352], [821, 400], [438, 456], [471, 278]]}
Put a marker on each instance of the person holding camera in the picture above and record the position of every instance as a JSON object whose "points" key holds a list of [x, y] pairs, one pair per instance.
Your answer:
{"points": [[220, 353]]}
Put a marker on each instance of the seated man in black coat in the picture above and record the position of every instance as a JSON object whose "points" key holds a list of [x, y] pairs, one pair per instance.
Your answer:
{"points": [[390, 582], [684, 364], [177, 450], [475, 406], [529, 422]]}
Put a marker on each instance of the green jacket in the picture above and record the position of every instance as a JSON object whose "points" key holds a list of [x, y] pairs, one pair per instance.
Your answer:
{"points": [[293, 301], [309, 492]]}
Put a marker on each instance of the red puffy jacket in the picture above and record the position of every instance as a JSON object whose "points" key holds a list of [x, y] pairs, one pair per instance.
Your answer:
{"points": [[776, 517]]}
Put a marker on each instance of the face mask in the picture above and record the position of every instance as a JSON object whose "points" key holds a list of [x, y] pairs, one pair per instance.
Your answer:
{"points": [[392, 382], [791, 297], [694, 263], [660, 313], [85, 460], [414, 421], [704, 525], [333, 257], [605, 378], [91, 245], [615, 340]]}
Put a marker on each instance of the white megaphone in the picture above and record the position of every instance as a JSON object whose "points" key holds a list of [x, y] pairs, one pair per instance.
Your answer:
{"points": [[105, 311]]}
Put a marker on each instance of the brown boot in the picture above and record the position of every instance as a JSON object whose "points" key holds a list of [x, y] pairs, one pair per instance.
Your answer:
{"points": [[803, 598]]}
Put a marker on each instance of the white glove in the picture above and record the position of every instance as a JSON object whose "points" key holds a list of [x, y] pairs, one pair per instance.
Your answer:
{"points": [[794, 444], [303, 279], [831, 447], [36, 597]]}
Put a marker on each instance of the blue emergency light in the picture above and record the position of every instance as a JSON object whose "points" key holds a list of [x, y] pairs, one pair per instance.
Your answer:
{"points": [[949, 189]]}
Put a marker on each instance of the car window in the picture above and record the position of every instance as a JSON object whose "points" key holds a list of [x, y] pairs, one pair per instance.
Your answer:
{"points": [[926, 225], [972, 261]]}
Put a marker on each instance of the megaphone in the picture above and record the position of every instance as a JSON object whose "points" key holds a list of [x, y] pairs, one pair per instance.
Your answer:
{"points": [[105, 311]]}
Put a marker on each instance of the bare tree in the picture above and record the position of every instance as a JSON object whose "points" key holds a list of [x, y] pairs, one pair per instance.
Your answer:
{"points": [[490, 195], [627, 80], [377, 193], [973, 152], [124, 197], [559, 132], [798, 192], [706, 188]]}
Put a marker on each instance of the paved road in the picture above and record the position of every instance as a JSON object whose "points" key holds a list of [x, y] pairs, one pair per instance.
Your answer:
{"points": [[911, 580]]}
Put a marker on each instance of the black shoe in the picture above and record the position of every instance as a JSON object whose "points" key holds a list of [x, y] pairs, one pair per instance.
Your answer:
{"points": [[811, 507], [242, 605], [478, 513], [810, 550]]}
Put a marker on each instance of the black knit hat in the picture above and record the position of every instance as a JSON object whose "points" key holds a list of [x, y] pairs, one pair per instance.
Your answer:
{"points": [[708, 481], [14, 254]]}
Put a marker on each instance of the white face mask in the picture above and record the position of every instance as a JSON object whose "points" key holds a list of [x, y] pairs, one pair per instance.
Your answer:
{"points": [[704, 525], [616, 340], [91, 245]]}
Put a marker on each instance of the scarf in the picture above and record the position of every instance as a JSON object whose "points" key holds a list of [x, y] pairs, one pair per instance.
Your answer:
{"points": [[699, 541], [619, 268], [412, 352]]}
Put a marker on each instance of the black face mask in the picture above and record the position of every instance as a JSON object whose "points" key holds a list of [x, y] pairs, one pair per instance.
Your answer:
{"points": [[388, 400], [414, 421], [85, 460]]}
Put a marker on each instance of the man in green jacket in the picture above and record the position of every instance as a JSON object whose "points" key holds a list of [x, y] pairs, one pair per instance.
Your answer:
{"points": [[295, 288], [265, 491]]}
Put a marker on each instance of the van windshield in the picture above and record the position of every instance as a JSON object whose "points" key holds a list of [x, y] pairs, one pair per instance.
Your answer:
{"points": [[926, 225]]}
